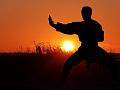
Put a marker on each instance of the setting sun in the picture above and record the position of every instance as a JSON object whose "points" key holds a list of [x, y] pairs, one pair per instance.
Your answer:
{"points": [[67, 46]]}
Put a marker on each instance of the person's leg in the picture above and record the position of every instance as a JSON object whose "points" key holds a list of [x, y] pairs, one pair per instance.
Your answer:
{"points": [[107, 59], [73, 60]]}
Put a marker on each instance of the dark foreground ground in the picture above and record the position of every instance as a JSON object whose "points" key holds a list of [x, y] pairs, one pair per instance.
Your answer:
{"points": [[43, 72]]}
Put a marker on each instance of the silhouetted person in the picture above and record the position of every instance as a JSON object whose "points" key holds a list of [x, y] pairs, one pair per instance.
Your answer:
{"points": [[90, 33]]}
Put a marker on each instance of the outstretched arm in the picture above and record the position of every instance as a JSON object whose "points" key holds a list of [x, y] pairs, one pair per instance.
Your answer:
{"points": [[64, 28], [57, 26]]}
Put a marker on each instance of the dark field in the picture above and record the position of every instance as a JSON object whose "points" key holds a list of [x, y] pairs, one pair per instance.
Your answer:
{"points": [[34, 71]]}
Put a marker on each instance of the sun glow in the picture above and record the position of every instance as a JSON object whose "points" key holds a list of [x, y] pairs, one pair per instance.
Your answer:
{"points": [[67, 46]]}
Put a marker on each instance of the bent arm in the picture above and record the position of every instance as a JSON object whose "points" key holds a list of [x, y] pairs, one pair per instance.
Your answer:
{"points": [[100, 34]]}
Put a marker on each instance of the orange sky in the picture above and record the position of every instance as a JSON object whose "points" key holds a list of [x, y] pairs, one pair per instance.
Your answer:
{"points": [[25, 21]]}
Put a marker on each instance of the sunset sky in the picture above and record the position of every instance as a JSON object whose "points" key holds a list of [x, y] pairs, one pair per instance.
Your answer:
{"points": [[24, 21]]}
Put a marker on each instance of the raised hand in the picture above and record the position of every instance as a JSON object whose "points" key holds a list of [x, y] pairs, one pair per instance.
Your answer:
{"points": [[51, 22]]}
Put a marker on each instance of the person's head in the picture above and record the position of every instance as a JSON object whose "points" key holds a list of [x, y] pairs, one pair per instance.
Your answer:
{"points": [[86, 13]]}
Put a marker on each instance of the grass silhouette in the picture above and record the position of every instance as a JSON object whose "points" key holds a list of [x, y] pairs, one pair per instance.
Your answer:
{"points": [[43, 70]]}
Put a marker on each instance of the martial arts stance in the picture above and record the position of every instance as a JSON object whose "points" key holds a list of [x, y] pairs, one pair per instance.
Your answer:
{"points": [[90, 33]]}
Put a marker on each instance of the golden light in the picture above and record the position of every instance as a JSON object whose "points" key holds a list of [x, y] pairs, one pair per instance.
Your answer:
{"points": [[67, 46]]}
